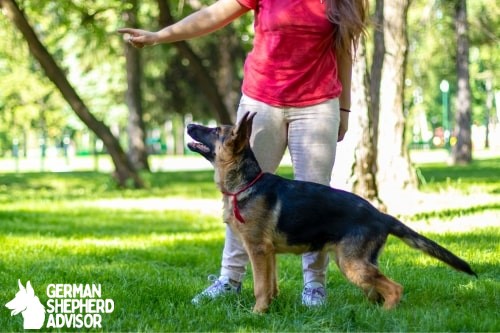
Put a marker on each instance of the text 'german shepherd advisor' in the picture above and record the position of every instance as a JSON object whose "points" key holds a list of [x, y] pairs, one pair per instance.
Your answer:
{"points": [[273, 215]]}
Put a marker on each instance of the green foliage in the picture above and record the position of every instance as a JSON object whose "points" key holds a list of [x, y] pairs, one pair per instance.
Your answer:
{"points": [[27, 100], [82, 37], [152, 259], [77, 34], [431, 57]]}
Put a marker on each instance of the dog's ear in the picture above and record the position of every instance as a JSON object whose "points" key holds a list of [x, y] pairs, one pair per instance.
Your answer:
{"points": [[29, 289], [243, 131], [21, 287]]}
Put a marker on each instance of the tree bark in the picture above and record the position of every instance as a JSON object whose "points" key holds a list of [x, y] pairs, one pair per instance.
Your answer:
{"points": [[205, 81], [137, 150], [123, 169], [376, 70], [394, 169], [365, 151], [229, 48], [462, 151]]}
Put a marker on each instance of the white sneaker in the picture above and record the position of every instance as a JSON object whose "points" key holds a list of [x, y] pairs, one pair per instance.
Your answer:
{"points": [[314, 294], [221, 286]]}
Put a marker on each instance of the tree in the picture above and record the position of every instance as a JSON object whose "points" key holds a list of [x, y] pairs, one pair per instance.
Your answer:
{"points": [[205, 81], [394, 170], [381, 158], [123, 168], [366, 92], [462, 151], [137, 152]]}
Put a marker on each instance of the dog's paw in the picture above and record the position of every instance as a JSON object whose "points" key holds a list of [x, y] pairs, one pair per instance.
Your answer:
{"points": [[260, 309], [374, 297]]}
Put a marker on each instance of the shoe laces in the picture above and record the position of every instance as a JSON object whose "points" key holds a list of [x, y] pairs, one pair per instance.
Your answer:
{"points": [[318, 292], [218, 284], [313, 295]]}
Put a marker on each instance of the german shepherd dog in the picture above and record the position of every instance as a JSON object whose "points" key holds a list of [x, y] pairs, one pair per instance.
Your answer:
{"points": [[273, 215]]}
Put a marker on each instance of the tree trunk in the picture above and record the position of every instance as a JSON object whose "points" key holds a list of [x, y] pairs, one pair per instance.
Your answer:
{"points": [[394, 169], [124, 170], [365, 151], [204, 79], [462, 151], [366, 87], [375, 76], [227, 81], [137, 150]]}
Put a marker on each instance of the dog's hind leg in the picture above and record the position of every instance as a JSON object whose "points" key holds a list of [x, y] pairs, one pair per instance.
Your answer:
{"points": [[274, 279], [367, 276]]}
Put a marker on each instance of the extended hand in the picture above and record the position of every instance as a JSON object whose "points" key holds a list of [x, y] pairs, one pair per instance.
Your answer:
{"points": [[139, 38]]}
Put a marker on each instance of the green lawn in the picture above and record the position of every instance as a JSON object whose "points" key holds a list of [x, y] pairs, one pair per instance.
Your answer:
{"points": [[77, 228]]}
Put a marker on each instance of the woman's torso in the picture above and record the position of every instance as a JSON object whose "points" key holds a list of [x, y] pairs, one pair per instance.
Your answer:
{"points": [[293, 62]]}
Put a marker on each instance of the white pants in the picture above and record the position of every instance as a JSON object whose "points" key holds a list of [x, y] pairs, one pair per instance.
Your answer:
{"points": [[311, 136]]}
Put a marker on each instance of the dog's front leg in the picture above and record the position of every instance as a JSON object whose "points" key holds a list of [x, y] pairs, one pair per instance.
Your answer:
{"points": [[261, 258]]}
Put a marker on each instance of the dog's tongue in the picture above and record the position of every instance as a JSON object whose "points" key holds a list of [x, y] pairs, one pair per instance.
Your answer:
{"points": [[199, 146]]}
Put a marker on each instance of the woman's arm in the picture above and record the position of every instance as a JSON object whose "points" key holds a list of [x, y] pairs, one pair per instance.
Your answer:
{"points": [[200, 23], [344, 70]]}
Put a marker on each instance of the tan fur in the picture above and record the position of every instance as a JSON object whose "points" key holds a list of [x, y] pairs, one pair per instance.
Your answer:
{"points": [[355, 253], [262, 242]]}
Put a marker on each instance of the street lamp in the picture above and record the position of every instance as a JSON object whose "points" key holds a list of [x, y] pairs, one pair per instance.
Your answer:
{"points": [[444, 86]]}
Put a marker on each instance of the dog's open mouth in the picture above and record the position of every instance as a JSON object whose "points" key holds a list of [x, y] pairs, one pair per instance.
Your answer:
{"points": [[198, 147], [202, 141]]}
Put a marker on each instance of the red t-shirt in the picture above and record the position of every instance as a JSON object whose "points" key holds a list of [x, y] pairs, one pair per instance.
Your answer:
{"points": [[293, 61]]}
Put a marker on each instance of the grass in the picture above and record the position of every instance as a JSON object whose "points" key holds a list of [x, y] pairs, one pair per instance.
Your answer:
{"points": [[151, 261], [480, 175]]}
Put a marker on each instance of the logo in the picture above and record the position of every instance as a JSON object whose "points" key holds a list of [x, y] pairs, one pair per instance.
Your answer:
{"points": [[28, 305], [68, 306]]}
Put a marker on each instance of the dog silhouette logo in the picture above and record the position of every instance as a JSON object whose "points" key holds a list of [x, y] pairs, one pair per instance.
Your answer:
{"points": [[28, 305]]}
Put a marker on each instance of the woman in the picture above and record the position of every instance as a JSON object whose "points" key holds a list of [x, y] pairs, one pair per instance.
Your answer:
{"points": [[298, 79]]}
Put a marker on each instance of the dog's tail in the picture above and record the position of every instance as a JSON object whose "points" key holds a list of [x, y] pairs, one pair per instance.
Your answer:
{"points": [[419, 242]]}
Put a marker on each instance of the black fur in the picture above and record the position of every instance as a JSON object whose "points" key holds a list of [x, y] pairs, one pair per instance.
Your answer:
{"points": [[272, 214]]}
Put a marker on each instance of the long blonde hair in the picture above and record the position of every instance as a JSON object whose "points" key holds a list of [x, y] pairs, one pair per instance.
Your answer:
{"points": [[349, 19]]}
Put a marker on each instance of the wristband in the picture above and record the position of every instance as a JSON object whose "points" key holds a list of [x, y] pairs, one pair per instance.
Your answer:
{"points": [[345, 110]]}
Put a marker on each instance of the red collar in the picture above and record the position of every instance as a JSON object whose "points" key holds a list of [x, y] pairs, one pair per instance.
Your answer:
{"points": [[236, 210]]}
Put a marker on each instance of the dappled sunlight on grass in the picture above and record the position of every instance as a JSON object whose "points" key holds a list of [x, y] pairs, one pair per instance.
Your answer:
{"points": [[87, 245], [79, 185], [455, 223], [81, 222], [152, 250], [203, 206], [479, 248], [70, 246]]}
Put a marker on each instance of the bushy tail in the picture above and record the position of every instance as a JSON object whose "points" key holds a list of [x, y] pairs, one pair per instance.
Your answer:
{"points": [[419, 242]]}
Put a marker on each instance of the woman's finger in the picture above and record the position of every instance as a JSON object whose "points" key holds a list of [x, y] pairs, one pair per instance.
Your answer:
{"points": [[127, 31]]}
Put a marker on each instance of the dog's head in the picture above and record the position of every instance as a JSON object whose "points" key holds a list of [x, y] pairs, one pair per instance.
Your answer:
{"points": [[24, 298], [221, 144]]}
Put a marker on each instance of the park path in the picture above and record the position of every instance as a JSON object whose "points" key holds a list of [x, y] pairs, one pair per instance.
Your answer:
{"points": [[413, 203], [399, 204]]}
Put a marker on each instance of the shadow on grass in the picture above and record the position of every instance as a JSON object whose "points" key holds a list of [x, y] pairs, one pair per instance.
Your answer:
{"points": [[82, 223], [478, 172], [84, 185], [74, 185], [152, 285], [477, 247], [151, 271]]}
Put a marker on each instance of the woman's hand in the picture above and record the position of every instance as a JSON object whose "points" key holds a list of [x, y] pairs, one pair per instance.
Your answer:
{"points": [[344, 124], [199, 23], [139, 38]]}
